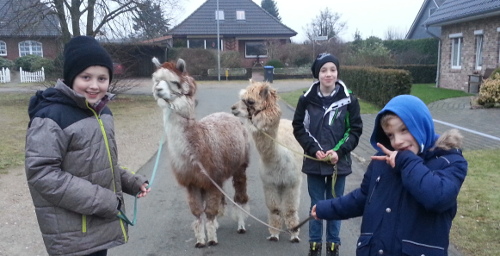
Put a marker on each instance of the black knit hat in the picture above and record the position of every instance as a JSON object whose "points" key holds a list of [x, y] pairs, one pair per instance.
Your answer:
{"points": [[320, 60], [82, 52]]}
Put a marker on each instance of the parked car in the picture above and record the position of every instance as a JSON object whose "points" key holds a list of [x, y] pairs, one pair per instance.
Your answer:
{"points": [[118, 69]]}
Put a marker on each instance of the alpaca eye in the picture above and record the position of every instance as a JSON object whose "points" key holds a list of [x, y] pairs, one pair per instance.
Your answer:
{"points": [[250, 102]]}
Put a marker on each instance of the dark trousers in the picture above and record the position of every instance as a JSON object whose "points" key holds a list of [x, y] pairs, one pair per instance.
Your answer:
{"points": [[99, 253]]}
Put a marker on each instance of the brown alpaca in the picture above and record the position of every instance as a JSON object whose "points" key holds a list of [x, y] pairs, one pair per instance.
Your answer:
{"points": [[218, 142], [281, 167]]}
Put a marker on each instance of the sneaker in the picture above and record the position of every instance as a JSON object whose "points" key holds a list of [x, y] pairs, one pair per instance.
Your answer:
{"points": [[332, 249], [314, 249]]}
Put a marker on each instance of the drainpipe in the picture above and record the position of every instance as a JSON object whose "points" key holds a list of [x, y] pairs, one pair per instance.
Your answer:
{"points": [[438, 71]]}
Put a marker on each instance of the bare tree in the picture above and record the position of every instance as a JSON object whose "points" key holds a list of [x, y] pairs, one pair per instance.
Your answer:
{"points": [[327, 23], [103, 18], [393, 33]]}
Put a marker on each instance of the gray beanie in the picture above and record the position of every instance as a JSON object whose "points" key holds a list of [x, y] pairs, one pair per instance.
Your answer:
{"points": [[320, 60], [82, 52]]}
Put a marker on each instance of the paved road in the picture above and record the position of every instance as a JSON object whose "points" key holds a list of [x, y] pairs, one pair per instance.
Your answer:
{"points": [[164, 219]]}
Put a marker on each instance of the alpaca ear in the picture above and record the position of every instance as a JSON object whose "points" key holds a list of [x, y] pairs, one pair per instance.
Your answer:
{"points": [[181, 65], [156, 62]]}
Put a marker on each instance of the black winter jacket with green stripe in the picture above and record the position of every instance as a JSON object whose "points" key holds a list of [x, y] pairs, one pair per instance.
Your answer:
{"points": [[337, 127]]}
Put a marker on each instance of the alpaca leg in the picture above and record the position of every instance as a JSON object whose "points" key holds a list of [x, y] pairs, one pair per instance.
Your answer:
{"points": [[212, 226], [199, 232], [241, 197], [274, 215], [195, 199], [240, 216], [291, 201], [212, 207]]}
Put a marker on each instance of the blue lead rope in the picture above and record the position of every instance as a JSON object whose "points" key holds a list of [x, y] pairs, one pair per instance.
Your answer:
{"points": [[121, 214]]}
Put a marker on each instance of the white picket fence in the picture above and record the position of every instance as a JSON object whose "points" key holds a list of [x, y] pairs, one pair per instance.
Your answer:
{"points": [[30, 77], [4, 75]]}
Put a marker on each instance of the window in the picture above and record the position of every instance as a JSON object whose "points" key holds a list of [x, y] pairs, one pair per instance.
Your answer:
{"points": [[203, 43], [3, 48], [255, 49], [456, 50], [240, 15], [196, 43], [219, 15], [30, 48], [479, 52]]}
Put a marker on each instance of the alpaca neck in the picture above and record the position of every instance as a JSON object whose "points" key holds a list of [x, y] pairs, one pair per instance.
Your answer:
{"points": [[266, 145]]}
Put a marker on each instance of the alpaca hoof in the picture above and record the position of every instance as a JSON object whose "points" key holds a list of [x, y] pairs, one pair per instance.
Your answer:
{"points": [[241, 231], [295, 240], [212, 243], [199, 245], [273, 238]]}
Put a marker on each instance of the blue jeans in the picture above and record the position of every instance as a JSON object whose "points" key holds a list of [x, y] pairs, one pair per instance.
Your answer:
{"points": [[320, 188]]}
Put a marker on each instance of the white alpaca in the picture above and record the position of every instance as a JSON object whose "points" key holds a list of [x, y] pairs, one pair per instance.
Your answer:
{"points": [[218, 143], [281, 173]]}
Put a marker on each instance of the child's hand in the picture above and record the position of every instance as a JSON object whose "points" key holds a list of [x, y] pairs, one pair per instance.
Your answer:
{"points": [[390, 157], [320, 154], [144, 190], [313, 212], [334, 156]]}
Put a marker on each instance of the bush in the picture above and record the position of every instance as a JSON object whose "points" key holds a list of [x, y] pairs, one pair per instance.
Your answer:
{"points": [[230, 59], [32, 63], [275, 63], [198, 61], [489, 93], [5, 63]]}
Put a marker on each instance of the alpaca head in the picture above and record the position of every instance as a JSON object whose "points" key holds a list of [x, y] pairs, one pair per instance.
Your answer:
{"points": [[258, 103], [172, 86]]}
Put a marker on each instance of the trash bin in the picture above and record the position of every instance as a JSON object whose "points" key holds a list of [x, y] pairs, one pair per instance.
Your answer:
{"points": [[268, 73]]}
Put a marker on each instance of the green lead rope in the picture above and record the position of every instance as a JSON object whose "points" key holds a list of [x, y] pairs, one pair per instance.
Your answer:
{"points": [[339, 144], [121, 214]]}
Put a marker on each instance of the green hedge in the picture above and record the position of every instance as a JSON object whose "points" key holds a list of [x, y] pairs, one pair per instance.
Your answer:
{"points": [[376, 85], [421, 74]]}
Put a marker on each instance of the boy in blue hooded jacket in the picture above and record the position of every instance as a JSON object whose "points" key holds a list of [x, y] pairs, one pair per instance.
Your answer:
{"points": [[408, 196]]}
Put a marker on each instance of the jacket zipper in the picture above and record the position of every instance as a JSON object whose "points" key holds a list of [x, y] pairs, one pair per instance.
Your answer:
{"points": [[106, 142], [84, 223]]}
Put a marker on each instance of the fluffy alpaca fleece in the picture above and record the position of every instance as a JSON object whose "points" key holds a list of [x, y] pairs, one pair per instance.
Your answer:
{"points": [[281, 167], [219, 142]]}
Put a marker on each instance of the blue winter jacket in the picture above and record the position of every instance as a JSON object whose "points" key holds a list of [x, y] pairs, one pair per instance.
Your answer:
{"points": [[407, 210]]}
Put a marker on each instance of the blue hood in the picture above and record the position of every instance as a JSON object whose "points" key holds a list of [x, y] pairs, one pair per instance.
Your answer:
{"points": [[414, 114]]}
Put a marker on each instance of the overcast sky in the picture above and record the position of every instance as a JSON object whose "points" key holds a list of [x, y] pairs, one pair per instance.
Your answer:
{"points": [[370, 17]]}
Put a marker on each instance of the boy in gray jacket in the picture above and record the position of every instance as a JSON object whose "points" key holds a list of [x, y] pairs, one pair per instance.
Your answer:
{"points": [[71, 164]]}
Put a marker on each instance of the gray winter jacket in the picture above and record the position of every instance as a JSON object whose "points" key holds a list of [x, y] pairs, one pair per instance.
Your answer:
{"points": [[76, 192]]}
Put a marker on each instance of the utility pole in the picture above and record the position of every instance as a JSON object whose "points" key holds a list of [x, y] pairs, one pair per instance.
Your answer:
{"points": [[218, 43]]}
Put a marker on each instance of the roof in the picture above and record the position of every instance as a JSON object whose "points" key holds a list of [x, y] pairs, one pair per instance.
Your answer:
{"points": [[257, 22], [417, 30], [455, 11], [27, 18]]}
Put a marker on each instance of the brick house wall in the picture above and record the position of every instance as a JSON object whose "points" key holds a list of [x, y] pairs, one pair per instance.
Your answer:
{"points": [[50, 47], [458, 78]]}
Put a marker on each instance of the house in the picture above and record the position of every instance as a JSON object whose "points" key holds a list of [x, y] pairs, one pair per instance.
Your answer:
{"points": [[469, 41], [417, 29], [241, 25], [26, 27]]}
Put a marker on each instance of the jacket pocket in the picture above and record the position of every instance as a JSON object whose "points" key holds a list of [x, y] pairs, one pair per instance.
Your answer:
{"points": [[411, 248], [363, 244]]}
